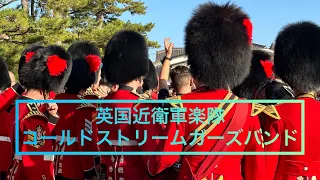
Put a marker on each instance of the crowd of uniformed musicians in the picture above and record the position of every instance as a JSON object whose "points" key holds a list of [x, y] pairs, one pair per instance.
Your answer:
{"points": [[222, 66]]}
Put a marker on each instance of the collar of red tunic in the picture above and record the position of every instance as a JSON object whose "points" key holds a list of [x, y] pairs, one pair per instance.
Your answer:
{"points": [[127, 88]]}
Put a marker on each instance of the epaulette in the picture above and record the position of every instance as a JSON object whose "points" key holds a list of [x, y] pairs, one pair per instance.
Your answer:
{"points": [[34, 111], [86, 105], [102, 92], [175, 105], [89, 92], [269, 110], [141, 97]]}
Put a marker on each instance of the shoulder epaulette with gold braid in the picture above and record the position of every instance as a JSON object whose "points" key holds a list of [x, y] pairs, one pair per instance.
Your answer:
{"points": [[175, 105], [89, 92], [269, 110], [86, 105], [34, 111], [141, 97]]}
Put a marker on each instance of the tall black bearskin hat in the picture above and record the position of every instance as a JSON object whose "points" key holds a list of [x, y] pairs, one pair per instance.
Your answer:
{"points": [[5, 80], [151, 80], [260, 72], [27, 53], [103, 80], [48, 69], [297, 56], [126, 57], [86, 63], [218, 44]]}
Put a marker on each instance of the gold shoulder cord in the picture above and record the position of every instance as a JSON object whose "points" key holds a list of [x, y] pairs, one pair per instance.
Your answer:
{"points": [[33, 111], [312, 95]]}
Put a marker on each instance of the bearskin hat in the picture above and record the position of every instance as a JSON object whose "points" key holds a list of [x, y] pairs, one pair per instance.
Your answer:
{"points": [[27, 53], [103, 80], [297, 56], [151, 80], [5, 80], [48, 69], [126, 57], [261, 71], [86, 63], [218, 44]]}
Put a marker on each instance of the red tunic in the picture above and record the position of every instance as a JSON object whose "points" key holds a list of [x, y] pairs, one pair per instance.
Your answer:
{"points": [[9, 96], [5, 142], [75, 118], [231, 167], [35, 167], [126, 167], [154, 95], [7, 130], [293, 167]]}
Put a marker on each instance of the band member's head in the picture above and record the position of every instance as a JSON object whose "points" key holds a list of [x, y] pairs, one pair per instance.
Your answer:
{"points": [[151, 80], [261, 71], [126, 59], [86, 65], [181, 78], [27, 53], [297, 56], [105, 86], [5, 81], [48, 70], [218, 44]]}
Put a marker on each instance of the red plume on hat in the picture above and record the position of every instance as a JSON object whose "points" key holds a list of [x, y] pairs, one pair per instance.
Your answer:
{"points": [[28, 56], [94, 62], [267, 66], [56, 65], [248, 25]]}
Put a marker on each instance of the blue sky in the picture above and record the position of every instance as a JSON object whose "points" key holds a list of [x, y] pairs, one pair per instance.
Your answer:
{"points": [[268, 17]]}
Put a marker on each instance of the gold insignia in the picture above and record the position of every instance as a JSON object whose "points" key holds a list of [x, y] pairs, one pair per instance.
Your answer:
{"points": [[269, 110], [39, 141]]}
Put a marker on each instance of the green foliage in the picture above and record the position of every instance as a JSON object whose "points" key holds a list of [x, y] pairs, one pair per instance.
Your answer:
{"points": [[63, 22]]}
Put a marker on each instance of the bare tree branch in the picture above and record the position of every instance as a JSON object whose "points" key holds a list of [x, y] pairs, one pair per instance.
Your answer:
{"points": [[6, 3], [23, 33], [12, 30]]}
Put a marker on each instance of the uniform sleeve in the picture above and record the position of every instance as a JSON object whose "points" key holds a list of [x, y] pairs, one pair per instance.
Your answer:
{"points": [[253, 166], [85, 129], [9, 96], [273, 129], [157, 164]]}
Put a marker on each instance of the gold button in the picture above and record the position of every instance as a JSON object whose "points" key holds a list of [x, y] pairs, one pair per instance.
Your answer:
{"points": [[122, 159], [120, 170], [314, 178], [305, 168], [110, 169]]}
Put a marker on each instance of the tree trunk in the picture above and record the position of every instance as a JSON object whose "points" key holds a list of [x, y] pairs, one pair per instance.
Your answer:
{"points": [[25, 5], [32, 9], [100, 19]]}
